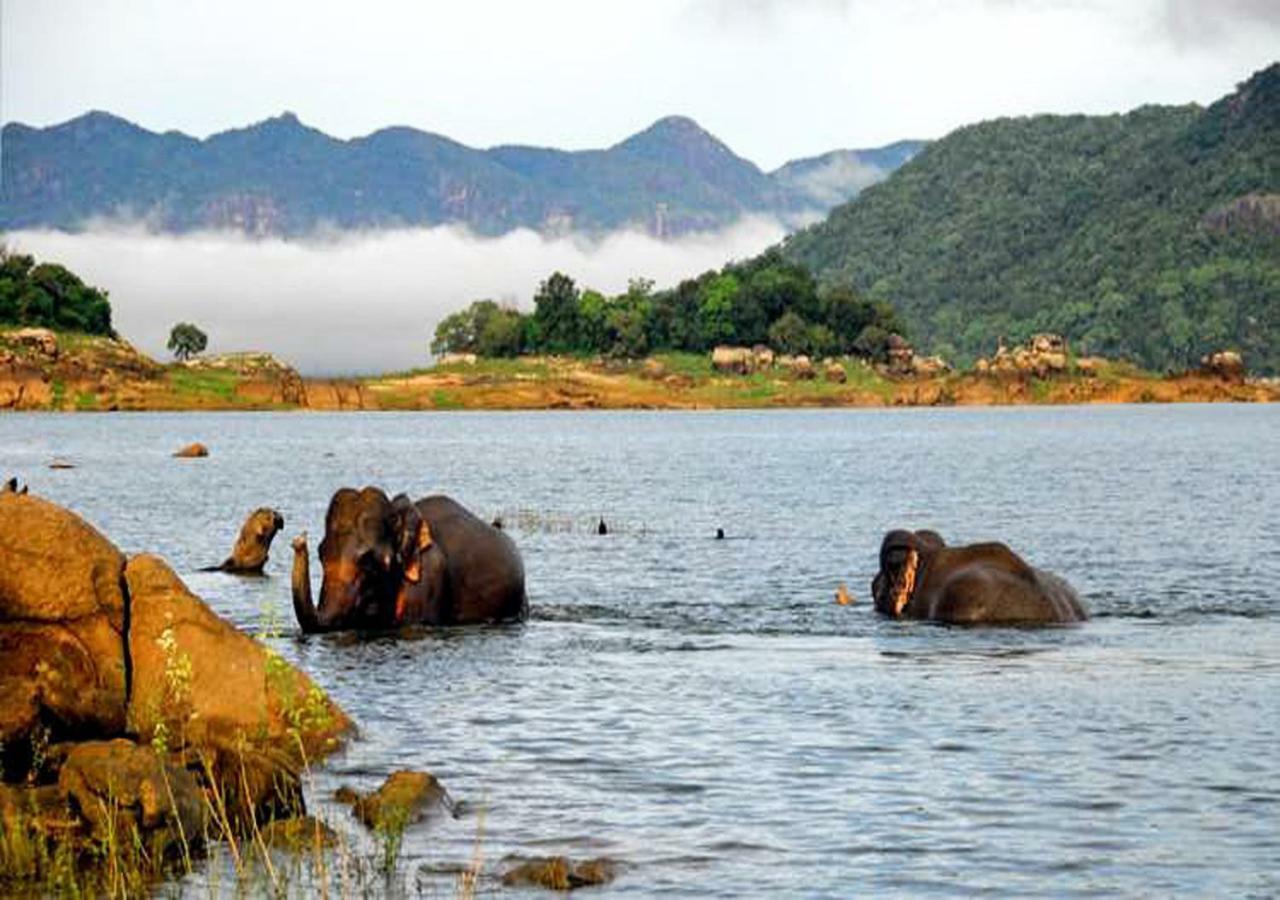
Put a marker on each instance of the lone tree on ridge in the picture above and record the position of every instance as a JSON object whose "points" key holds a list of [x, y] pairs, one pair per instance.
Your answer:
{"points": [[186, 340]]}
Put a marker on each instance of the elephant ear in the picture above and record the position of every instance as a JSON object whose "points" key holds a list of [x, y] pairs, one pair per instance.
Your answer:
{"points": [[423, 542]]}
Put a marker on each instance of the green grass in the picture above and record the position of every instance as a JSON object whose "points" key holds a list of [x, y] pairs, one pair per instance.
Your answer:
{"points": [[59, 389], [693, 365], [86, 400], [204, 383], [442, 399]]}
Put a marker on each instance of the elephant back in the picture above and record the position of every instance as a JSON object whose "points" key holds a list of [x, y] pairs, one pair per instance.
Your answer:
{"points": [[485, 571]]}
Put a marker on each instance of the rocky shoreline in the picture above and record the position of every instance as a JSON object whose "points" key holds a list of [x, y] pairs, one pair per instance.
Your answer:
{"points": [[130, 712], [41, 370]]}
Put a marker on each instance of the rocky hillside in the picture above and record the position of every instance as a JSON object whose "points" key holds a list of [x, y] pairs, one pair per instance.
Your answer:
{"points": [[45, 370], [1152, 236], [281, 177]]}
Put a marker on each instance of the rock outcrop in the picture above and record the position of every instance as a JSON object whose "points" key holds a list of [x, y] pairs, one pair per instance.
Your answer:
{"points": [[1227, 365], [741, 360], [1041, 356]]}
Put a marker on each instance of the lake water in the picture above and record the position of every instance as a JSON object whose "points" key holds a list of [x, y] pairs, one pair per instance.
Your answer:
{"points": [[703, 712]]}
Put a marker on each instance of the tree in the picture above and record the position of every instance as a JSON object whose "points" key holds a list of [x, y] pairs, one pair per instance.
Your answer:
{"points": [[789, 334], [715, 313], [502, 334], [186, 340], [556, 313]]}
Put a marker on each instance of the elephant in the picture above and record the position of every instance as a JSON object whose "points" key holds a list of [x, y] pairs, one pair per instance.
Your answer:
{"points": [[388, 563], [254, 543], [921, 577]]}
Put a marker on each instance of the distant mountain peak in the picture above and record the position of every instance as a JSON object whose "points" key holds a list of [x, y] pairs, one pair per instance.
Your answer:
{"points": [[674, 132], [98, 120]]}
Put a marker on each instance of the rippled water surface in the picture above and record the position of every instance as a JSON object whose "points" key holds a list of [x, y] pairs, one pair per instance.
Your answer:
{"points": [[703, 712]]}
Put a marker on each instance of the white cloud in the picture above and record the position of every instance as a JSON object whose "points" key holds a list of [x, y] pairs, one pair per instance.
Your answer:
{"points": [[358, 303]]}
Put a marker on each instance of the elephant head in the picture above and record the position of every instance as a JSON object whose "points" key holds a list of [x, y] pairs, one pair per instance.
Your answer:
{"points": [[254, 543], [359, 562], [903, 554], [421, 563]]}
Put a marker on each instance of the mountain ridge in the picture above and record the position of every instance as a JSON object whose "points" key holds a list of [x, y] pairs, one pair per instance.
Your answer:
{"points": [[282, 177]]}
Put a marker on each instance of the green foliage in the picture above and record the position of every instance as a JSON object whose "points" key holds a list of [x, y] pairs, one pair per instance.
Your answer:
{"points": [[48, 295], [790, 334], [767, 299], [556, 313], [1116, 231], [186, 340], [484, 328]]}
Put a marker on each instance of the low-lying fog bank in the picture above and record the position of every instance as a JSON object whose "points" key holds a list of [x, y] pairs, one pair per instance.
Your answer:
{"points": [[356, 303]]}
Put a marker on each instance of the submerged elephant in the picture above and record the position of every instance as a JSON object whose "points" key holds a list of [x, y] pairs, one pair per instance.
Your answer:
{"points": [[254, 543], [921, 577], [388, 563]]}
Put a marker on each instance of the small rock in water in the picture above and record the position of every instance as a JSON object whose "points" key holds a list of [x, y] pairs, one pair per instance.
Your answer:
{"points": [[193, 451], [558, 873], [404, 798], [602, 528], [719, 534], [843, 597], [61, 464]]}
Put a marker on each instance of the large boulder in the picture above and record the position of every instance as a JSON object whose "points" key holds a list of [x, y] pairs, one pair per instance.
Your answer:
{"points": [[55, 566], [62, 622], [209, 690], [734, 360]]}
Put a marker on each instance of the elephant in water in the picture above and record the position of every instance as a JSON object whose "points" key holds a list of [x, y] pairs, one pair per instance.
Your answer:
{"points": [[921, 577], [254, 543], [388, 563]]}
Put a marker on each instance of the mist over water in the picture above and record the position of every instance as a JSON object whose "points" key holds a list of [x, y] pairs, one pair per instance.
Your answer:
{"points": [[356, 303]]}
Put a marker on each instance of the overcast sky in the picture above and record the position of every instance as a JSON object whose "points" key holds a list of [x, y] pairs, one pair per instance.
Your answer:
{"points": [[775, 79]]}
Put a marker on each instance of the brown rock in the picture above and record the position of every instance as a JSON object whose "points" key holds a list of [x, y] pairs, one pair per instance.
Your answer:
{"points": [[61, 622], [558, 873], [404, 798], [1225, 364], [120, 789], [211, 690], [55, 566], [835, 373], [41, 341], [735, 360], [192, 451]]}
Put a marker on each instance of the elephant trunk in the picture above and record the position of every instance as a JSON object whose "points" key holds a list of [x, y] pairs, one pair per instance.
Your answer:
{"points": [[303, 608]]}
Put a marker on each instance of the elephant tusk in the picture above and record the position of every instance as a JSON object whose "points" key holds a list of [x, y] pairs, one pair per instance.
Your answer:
{"points": [[907, 586]]}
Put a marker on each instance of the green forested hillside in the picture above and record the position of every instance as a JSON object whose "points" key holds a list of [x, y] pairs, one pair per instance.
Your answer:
{"points": [[1153, 235]]}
